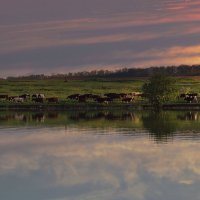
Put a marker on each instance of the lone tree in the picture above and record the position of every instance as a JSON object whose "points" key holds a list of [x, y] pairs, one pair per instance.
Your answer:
{"points": [[160, 89]]}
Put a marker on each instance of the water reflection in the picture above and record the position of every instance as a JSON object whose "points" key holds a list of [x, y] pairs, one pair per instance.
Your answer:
{"points": [[58, 164], [161, 127], [193, 116]]}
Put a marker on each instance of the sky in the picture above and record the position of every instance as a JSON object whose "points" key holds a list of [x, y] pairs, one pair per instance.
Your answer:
{"points": [[61, 36]]}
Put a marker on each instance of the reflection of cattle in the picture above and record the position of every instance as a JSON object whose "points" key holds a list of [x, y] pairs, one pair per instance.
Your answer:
{"points": [[193, 116], [73, 96], [3, 97], [52, 115], [20, 117], [52, 100], [38, 117], [4, 117]]}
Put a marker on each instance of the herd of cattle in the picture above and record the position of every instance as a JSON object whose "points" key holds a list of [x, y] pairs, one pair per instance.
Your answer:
{"points": [[106, 98], [40, 98], [189, 97], [83, 98]]}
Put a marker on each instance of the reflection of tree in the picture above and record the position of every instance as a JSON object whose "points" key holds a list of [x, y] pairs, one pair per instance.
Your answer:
{"points": [[161, 125]]}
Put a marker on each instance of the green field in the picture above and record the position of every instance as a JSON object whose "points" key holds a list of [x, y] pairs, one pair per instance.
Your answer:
{"points": [[61, 88]]}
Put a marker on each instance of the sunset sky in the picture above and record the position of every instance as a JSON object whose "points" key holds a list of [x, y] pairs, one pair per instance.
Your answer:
{"points": [[60, 36]]}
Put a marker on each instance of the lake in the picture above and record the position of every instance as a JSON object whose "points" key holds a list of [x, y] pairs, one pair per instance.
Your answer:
{"points": [[88, 155]]}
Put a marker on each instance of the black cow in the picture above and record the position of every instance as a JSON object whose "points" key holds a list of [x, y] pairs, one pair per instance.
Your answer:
{"points": [[94, 96], [25, 96], [3, 96], [113, 95], [103, 100], [82, 98], [38, 100], [52, 100]]}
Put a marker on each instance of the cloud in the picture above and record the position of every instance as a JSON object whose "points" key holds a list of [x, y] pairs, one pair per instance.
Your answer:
{"points": [[87, 42]]}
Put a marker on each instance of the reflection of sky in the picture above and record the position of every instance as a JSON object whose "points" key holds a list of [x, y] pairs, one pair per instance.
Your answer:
{"points": [[73, 35], [63, 164]]}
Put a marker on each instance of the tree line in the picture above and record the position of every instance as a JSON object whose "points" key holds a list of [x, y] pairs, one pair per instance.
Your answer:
{"points": [[181, 70]]}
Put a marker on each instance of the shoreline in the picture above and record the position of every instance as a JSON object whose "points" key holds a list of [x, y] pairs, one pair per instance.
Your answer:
{"points": [[95, 107]]}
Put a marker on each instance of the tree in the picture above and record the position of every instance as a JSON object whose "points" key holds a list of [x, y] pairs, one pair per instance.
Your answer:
{"points": [[160, 89]]}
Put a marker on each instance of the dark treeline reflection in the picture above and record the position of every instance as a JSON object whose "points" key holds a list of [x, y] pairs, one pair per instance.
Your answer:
{"points": [[161, 126]]}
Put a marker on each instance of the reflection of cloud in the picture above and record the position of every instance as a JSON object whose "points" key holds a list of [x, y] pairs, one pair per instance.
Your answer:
{"points": [[71, 159]]}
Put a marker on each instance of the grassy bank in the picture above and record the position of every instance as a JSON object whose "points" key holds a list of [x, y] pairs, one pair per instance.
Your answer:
{"points": [[62, 88]]}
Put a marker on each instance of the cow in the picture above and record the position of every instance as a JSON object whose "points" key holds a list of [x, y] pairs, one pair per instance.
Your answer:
{"points": [[104, 100], [38, 98], [189, 97], [82, 98], [127, 99], [52, 100], [52, 115], [3, 96], [113, 95], [25, 96], [73, 96], [94, 96], [18, 99], [123, 95], [11, 98]]}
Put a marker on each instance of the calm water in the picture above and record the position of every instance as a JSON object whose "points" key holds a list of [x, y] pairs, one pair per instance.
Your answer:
{"points": [[99, 155]]}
